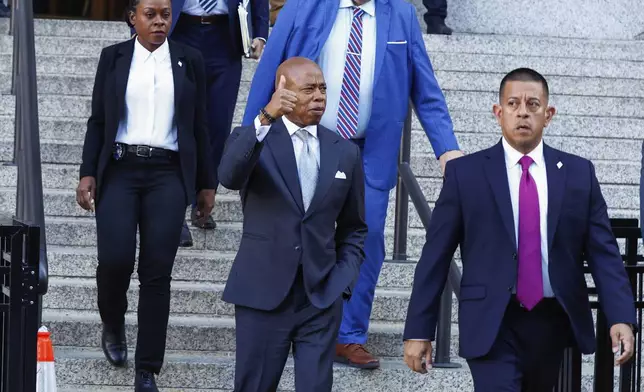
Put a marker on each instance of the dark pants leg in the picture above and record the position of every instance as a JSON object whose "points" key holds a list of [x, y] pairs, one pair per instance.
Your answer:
{"points": [[223, 73], [265, 338], [150, 194], [527, 353], [435, 8]]}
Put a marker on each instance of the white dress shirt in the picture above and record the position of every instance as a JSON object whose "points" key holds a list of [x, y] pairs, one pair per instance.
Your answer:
{"points": [[538, 172], [262, 130], [149, 100], [193, 7], [333, 57]]}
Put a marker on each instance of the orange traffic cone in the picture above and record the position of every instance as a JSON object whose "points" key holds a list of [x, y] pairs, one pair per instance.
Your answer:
{"points": [[46, 378]]}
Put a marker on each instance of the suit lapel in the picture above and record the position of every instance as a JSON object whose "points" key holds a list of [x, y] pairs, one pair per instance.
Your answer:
{"points": [[122, 73], [496, 172], [330, 14], [556, 185], [383, 9], [329, 158], [280, 144], [178, 73]]}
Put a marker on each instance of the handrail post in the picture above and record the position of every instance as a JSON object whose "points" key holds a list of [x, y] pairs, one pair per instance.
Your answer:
{"points": [[29, 195], [443, 347], [402, 196]]}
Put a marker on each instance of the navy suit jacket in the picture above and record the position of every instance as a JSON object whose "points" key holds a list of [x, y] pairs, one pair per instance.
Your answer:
{"points": [[474, 211], [108, 108], [402, 72], [278, 235], [259, 14]]}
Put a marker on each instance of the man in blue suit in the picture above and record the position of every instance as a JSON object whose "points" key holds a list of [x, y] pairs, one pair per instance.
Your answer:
{"points": [[302, 190], [525, 216], [212, 27], [374, 60]]}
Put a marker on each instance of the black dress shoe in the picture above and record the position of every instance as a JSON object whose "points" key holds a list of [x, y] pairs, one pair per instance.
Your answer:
{"points": [[144, 382], [436, 25], [114, 345], [186, 237], [209, 224]]}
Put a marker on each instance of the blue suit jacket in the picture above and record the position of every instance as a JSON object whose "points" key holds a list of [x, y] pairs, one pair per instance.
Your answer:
{"points": [[475, 211], [259, 14], [279, 235], [402, 71]]}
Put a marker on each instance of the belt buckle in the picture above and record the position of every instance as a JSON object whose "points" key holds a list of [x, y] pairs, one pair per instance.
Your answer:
{"points": [[203, 21], [143, 151]]}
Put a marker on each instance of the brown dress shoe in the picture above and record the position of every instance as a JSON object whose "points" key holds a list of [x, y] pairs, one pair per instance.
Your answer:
{"points": [[355, 355]]}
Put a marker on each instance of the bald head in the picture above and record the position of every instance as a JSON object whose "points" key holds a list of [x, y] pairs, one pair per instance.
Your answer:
{"points": [[304, 77], [294, 68]]}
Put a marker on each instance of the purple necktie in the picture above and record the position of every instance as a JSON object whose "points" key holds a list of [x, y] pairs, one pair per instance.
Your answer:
{"points": [[529, 281]]}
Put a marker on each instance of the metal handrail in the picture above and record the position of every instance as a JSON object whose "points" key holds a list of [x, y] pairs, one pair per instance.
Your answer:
{"points": [[29, 196]]}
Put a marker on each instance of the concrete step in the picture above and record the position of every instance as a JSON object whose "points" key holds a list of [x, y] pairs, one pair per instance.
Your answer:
{"points": [[197, 266], [70, 84], [75, 28], [199, 333], [536, 46], [79, 106], [186, 370], [458, 43], [74, 128], [62, 203], [198, 298], [190, 370]]}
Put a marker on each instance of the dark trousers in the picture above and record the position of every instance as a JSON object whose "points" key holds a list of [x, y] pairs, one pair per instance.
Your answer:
{"points": [[435, 8], [528, 351], [223, 75], [265, 338], [148, 194]]}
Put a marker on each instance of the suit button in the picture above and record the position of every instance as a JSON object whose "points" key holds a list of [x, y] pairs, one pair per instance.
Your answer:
{"points": [[510, 288], [514, 256], [297, 248]]}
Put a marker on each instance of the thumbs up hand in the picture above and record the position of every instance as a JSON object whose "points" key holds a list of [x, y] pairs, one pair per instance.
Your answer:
{"points": [[283, 100]]}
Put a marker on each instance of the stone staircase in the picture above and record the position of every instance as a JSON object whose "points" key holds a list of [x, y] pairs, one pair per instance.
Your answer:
{"points": [[597, 86]]}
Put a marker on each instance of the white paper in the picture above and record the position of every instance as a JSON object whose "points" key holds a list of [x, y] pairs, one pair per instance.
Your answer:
{"points": [[245, 28]]}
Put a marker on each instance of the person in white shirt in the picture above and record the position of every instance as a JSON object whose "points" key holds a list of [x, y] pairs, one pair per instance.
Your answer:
{"points": [[146, 151]]}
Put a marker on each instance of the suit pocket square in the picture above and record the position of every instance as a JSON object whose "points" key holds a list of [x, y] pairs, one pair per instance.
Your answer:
{"points": [[396, 42], [340, 175]]}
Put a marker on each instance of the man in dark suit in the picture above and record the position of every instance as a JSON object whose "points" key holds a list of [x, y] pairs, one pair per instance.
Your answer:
{"points": [[525, 216], [212, 27], [302, 191]]}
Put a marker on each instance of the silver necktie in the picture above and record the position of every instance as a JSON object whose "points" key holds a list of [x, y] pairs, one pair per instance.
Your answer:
{"points": [[307, 169]]}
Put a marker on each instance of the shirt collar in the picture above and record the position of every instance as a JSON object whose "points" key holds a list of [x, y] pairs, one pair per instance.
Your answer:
{"points": [[292, 128], [160, 54], [369, 8], [512, 156]]}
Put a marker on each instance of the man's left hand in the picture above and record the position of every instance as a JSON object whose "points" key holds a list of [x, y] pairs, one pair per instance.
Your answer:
{"points": [[622, 335], [205, 204], [258, 48], [447, 156]]}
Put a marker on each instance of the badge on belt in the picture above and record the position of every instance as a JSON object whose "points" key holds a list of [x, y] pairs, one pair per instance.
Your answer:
{"points": [[119, 152]]}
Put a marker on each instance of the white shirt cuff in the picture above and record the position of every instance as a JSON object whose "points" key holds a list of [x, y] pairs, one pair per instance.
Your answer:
{"points": [[261, 130]]}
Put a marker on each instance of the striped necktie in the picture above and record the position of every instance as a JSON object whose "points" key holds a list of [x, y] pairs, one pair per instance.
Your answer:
{"points": [[208, 5], [350, 93]]}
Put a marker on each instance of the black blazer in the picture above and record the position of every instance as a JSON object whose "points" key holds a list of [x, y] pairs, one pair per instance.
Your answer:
{"points": [[108, 108], [278, 236]]}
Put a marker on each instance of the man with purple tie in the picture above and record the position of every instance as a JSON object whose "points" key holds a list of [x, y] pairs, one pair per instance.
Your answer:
{"points": [[526, 216]]}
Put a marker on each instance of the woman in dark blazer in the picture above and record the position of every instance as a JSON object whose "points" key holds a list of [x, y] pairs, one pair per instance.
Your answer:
{"points": [[145, 153]]}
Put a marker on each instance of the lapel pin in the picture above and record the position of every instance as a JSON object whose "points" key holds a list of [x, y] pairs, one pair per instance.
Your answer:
{"points": [[559, 165], [180, 64]]}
